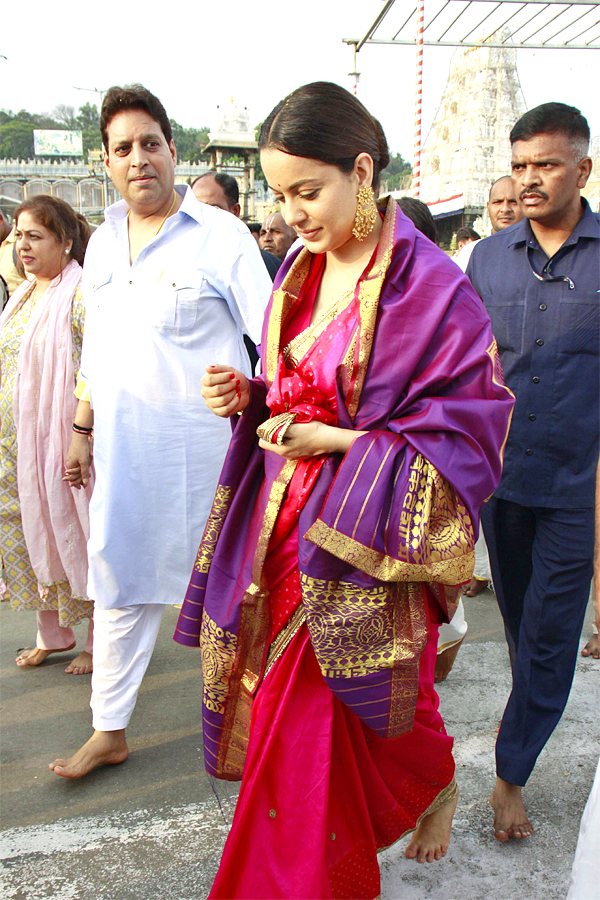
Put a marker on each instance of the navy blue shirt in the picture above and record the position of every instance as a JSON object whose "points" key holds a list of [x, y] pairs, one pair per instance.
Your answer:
{"points": [[548, 335]]}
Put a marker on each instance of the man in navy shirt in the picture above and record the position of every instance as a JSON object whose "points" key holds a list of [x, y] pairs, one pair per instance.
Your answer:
{"points": [[539, 280]]}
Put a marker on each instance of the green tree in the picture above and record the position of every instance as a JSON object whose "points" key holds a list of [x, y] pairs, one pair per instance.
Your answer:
{"points": [[16, 140], [189, 142], [393, 175], [88, 122], [65, 116], [88, 117]]}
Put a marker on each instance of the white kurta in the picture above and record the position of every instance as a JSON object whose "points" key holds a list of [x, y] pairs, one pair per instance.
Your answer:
{"points": [[151, 328]]}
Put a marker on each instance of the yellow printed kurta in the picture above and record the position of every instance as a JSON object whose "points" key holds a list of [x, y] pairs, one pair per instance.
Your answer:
{"points": [[18, 582]]}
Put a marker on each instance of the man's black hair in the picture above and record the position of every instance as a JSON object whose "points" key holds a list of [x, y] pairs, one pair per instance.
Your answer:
{"points": [[554, 118]]}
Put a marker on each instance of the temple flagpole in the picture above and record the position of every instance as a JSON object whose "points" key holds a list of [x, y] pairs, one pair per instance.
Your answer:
{"points": [[416, 180]]}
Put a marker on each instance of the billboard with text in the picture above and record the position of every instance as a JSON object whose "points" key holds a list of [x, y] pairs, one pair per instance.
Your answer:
{"points": [[57, 143]]}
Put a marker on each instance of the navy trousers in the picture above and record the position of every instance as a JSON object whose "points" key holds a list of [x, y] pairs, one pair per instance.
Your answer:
{"points": [[542, 565]]}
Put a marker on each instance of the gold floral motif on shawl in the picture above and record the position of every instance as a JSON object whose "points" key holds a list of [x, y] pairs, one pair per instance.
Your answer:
{"points": [[435, 540], [212, 530], [356, 631], [217, 651], [434, 523]]}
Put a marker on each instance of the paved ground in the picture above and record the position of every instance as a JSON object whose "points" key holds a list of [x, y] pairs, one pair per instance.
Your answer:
{"points": [[152, 828]]}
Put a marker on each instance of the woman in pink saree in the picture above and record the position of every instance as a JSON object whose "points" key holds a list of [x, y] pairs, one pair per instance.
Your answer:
{"points": [[340, 533], [43, 522]]}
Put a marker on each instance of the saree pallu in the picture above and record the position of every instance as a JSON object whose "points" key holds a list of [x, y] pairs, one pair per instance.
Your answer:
{"points": [[384, 537]]}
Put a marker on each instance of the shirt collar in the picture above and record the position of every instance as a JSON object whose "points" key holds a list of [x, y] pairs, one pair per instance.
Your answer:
{"points": [[587, 227], [189, 206]]}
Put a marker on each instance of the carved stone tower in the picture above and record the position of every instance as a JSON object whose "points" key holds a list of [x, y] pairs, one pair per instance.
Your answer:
{"points": [[467, 147]]}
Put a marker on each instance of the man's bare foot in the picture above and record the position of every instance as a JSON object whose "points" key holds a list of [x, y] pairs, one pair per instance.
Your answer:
{"points": [[430, 841], [81, 665], [592, 648], [445, 661], [475, 587], [103, 748], [510, 817], [36, 656]]}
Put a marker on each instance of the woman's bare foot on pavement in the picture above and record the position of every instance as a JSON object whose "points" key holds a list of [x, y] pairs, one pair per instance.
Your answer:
{"points": [[103, 748], [430, 840], [476, 586], [445, 661], [592, 648], [36, 656], [510, 817], [81, 665]]}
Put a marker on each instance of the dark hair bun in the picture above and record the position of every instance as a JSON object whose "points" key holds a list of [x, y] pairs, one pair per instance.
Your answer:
{"points": [[326, 122]]}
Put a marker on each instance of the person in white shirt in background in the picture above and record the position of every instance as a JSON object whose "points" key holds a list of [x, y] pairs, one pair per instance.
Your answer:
{"points": [[170, 285]]}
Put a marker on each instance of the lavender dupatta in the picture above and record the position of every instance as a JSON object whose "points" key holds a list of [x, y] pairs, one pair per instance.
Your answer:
{"points": [[394, 517]]}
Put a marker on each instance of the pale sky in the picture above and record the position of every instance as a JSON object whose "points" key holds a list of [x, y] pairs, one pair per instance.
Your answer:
{"points": [[256, 52]]}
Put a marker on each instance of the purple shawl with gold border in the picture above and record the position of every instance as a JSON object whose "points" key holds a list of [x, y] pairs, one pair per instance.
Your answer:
{"points": [[394, 517]]}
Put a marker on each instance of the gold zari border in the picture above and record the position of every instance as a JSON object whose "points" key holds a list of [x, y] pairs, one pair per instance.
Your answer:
{"points": [[212, 530], [284, 638], [445, 796], [385, 568]]}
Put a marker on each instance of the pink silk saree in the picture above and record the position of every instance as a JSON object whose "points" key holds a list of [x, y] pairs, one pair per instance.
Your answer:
{"points": [[319, 585]]}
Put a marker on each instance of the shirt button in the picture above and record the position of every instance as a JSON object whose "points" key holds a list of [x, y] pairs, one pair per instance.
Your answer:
{"points": [[529, 452], [540, 342], [532, 417], [535, 379], [542, 306]]}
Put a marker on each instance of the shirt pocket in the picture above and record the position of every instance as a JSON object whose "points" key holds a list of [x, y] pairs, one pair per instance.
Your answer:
{"points": [[579, 317], [507, 325], [175, 305]]}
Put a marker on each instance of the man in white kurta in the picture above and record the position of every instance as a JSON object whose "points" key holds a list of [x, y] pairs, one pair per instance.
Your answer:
{"points": [[162, 303], [151, 330]]}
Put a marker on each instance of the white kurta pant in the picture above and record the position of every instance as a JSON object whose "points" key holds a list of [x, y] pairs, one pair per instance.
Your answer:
{"points": [[123, 643], [453, 632]]}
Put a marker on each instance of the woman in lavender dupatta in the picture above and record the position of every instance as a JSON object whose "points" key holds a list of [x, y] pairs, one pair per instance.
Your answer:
{"points": [[341, 532], [43, 522]]}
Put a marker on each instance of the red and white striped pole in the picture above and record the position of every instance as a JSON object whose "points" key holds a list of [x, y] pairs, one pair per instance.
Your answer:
{"points": [[416, 180]]}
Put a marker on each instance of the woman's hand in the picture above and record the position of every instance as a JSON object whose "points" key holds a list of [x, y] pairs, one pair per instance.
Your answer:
{"points": [[309, 439], [225, 390], [79, 458]]}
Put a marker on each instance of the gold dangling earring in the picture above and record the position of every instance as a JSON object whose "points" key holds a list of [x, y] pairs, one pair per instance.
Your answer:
{"points": [[366, 213]]}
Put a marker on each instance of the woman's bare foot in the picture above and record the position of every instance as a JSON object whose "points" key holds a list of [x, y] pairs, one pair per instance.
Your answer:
{"points": [[592, 648], [510, 817], [430, 841], [445, 661], [475, 587], [81, 665], [103, 748], [36, 656]]}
